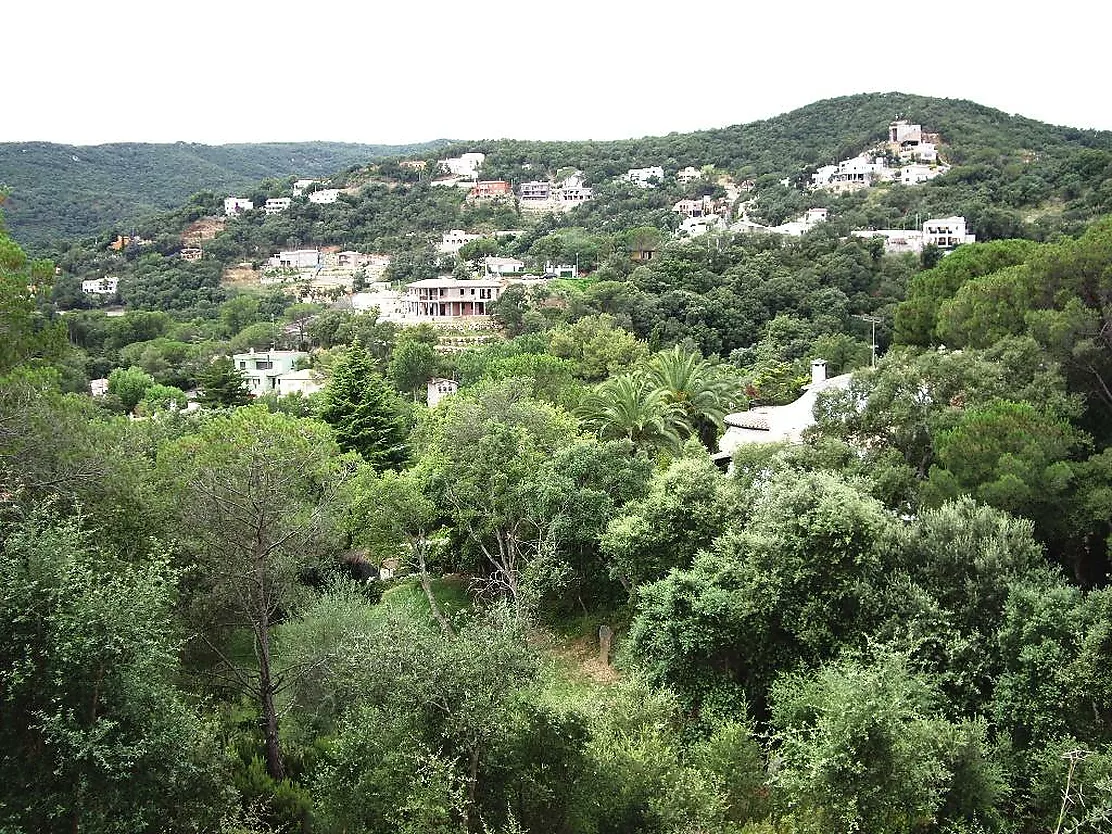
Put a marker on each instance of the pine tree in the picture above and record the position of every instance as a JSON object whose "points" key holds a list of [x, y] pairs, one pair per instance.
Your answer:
{"points": [[364, 411], [222, 384]]}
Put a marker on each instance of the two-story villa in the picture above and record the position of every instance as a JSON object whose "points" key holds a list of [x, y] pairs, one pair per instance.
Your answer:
{"points": [[450, 298], [261, 369]]}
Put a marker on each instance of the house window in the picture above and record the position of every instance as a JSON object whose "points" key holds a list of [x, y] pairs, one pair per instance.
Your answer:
{"points": [[243, 366], [263, 365]]}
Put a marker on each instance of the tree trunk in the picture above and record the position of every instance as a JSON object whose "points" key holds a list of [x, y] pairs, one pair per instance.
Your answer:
{"points": [[275, 766], [419, 547]]}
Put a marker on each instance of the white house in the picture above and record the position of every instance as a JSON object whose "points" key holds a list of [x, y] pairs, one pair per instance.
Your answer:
{"points": [[643, 177], [324, 196], [902, 133], [465, 165], [300, 186], [946, 232], [746, 226], [262, 369], [536, 191], [277, 205], [541, 196], [389, 303], [688, 174], [896, 241], [98, 387], [296, 259], [493, 265], [917, 172], [699, 226], [101, 286], [695, 208], [780, 423], [802, 224], [237, 205], [571, 191], [454, 240], [450, 299], [303, 382], [439, 389]]}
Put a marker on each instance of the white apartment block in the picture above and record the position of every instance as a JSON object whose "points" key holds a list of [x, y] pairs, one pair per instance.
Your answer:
{"points": [[324, 196], [277, 205]]}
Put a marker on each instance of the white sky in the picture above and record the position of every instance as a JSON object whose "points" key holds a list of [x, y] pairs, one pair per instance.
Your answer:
{"points": [[379, 72]]}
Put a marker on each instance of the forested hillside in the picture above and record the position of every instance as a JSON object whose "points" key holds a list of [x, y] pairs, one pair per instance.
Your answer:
{"points": [[1012, 175], [65, 191], [546, 604]]}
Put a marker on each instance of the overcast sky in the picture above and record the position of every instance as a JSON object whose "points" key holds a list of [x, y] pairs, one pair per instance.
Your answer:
{"points": [[380, 72]]}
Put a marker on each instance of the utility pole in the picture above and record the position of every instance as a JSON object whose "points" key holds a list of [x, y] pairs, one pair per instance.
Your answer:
{"points": [[873, 320]]}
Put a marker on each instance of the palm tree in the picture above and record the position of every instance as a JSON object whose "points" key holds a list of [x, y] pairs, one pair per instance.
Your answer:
{"points": [[702, 392], [629, 406]]}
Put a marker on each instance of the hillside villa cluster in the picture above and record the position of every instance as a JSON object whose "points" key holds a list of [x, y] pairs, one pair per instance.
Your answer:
{"points": [[329, 274]]}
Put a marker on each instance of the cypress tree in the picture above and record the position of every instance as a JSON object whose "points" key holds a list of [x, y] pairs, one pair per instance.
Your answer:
{"points": [[364, 411]]}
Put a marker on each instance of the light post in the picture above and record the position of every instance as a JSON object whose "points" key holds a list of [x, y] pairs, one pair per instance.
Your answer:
{"points": [[873, 320]]}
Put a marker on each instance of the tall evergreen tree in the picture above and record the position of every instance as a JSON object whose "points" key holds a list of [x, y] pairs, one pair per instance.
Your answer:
{"points": [[222, 384], [364, 411]]}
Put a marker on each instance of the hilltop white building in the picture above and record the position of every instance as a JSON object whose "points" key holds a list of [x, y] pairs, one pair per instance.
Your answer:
{"points": [[277, 205]]}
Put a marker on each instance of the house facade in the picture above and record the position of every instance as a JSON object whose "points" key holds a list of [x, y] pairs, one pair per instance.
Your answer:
{"points": [[644, 177], [440, 388], [454, 240], [489, 190], [501, 267], [688, 174], [261, 369], [946, 233], [237, 205], [277, 205], [448, 299], [296, 259], [101, 286], [325, 196]]}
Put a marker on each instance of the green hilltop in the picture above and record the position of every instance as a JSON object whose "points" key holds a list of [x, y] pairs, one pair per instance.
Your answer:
{"points": [[1002, 163], [66, 191]]}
